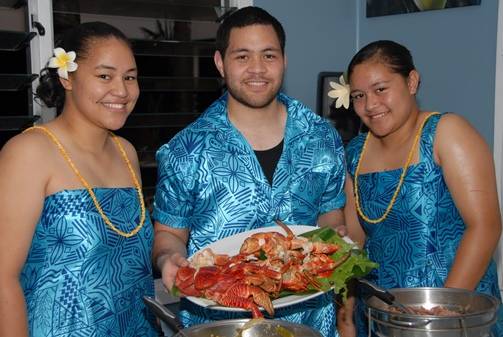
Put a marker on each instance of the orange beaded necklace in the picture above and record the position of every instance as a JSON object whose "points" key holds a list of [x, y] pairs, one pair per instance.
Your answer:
{"points": [[400, 182], [89, 189]]}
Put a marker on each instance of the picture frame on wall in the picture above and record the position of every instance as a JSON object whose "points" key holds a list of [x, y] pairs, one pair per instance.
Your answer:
{"points": [[346, 121], [390, 7]]}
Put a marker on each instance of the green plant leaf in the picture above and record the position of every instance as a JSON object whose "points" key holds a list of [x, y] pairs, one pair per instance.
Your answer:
{"points": [[262, 255], [175, 291], [356, 265]]}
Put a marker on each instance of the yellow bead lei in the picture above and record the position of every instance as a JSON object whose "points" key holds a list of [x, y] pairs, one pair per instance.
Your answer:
{"points": [[400, 182], [89, 189]]}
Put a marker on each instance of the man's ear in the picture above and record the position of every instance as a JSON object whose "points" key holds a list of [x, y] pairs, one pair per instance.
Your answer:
{"points": [[67, 84], [413, 81], [219, 63]]}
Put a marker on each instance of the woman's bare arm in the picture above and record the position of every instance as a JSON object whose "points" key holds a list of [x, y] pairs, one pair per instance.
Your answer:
{"points": [[468, 169], [22, 182]]}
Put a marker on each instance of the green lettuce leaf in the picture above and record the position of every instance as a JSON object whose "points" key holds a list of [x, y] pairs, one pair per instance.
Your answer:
{"points": [[175, 291], [356, 265]]}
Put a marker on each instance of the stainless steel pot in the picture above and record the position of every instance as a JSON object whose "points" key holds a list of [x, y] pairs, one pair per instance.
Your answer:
{"points": [[478, 314], [231, 327], [234, 328]]}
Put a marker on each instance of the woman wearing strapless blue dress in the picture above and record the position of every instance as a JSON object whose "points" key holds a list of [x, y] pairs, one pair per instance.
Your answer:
{"points": [[75, 249], [422, 195]]}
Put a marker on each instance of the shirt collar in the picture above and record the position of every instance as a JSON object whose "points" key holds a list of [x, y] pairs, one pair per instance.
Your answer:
{"points": [[298, 121]]}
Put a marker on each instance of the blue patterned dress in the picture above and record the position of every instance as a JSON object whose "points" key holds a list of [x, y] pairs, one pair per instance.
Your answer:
{"points": [[83, 279], [211, 183], [416, 244]]}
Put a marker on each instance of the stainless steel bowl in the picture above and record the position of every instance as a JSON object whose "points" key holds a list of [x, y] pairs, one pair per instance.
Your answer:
{"points": [[478, 313], [234, 328]]}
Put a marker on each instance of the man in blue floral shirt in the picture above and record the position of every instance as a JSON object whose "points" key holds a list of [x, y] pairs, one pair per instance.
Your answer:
{"points": [[254, 156]]}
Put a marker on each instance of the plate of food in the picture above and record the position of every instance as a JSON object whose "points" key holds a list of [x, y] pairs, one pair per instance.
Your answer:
{"points": [[270, 268]]}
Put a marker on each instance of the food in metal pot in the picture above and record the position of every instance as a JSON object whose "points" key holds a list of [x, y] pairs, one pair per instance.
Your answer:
{"points": [[265, 327], [438, 310]]}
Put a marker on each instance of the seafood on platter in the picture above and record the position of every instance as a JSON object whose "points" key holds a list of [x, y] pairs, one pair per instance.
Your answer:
{"points": [[268, 263]]}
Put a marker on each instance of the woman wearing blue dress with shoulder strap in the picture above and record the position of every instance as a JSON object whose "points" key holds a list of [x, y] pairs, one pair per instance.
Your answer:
{"points": [[76, 240], [421, 190]]}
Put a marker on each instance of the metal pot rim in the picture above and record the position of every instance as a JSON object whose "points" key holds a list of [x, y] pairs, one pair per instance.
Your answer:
{"points": [[243, 321], [418, 329], [494, 303]]}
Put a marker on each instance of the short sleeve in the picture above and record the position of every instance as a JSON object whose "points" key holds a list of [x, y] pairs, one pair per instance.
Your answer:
{"points": [[334, 196], [173, 202]]}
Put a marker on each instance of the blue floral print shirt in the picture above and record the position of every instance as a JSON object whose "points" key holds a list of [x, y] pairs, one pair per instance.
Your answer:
{"points": [[211, 183]]}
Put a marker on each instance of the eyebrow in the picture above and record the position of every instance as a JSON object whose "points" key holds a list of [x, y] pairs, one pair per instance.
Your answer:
{"points": [[103, 66], [373, 85], [241, 50], [380, 82]]}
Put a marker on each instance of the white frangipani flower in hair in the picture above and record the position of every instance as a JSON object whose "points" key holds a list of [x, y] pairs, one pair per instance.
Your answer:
{"points": [[63, 61], [340, 92]]}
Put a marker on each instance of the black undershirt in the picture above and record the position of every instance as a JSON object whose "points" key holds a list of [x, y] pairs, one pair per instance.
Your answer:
{"points": [[268, 160]]}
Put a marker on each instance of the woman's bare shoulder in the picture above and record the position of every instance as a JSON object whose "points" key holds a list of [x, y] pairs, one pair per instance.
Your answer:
{"points": [[130, 149], [26, 165], [31, 147], [456, 135], [452, 122]]}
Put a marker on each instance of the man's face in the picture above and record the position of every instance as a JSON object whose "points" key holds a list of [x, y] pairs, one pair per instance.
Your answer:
{"points": [[253, 66]]}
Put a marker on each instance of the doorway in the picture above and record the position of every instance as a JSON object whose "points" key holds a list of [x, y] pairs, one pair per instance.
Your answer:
{"points": [[498, 130]]}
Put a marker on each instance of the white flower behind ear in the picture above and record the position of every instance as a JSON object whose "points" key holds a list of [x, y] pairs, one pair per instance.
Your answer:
{"points": [[64, 62], [340, 93]]}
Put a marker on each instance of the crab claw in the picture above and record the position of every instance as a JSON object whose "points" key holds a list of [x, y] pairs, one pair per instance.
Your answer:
{"points": [[262, 298], [259, 296], [287, 230]]}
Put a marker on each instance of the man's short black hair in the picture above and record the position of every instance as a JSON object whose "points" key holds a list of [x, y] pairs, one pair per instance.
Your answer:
{"points": [[244, 17]]}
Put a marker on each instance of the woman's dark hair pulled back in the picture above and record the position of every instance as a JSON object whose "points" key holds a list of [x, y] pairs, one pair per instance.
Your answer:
{"points": [[77, 39], [390, 53]]}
